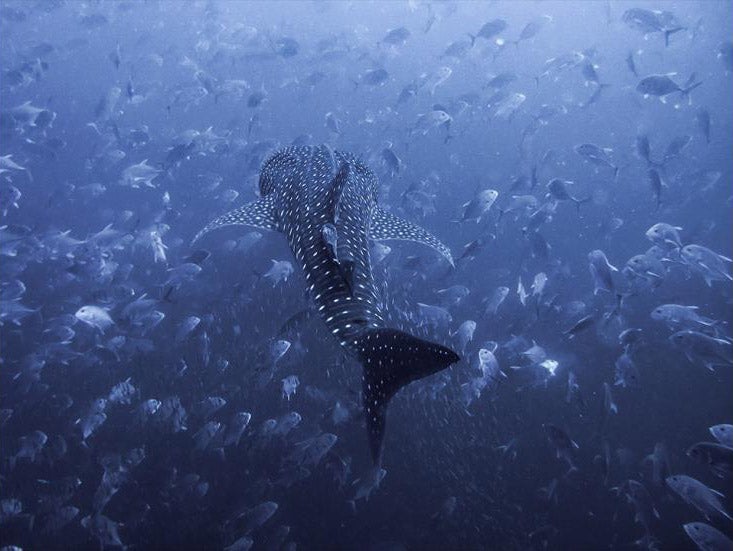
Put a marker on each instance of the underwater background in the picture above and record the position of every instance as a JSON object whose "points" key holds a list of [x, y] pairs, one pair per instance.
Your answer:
{"points": [[575, 156]]}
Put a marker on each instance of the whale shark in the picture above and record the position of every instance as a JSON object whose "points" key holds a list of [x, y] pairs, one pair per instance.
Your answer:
{"points": [[325, 204]]}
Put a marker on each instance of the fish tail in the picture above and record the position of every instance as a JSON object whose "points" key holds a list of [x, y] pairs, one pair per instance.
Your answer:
{"points": [[579, 202], [167, 292], [686, 91], [392, 359]]}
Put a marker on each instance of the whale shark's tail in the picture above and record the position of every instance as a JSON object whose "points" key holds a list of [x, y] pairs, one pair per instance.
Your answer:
{"points": [[392, 359]]}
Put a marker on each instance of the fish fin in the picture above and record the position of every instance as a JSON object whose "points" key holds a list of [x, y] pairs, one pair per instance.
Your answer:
{"points": [[579, 202], [258, 214], [392, 359], [385, 226], [336, 191], [686, 91], [670, 32]]}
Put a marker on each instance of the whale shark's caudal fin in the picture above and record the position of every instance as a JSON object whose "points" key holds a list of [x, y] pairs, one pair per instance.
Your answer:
{"points": [[392, 359]]}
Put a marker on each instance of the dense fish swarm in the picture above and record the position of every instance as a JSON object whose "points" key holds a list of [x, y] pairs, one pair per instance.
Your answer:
{"points": [[510, 221]]}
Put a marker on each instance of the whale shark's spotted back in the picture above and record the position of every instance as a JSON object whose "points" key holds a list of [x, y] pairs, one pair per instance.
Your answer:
{"points": [[325, 203]]}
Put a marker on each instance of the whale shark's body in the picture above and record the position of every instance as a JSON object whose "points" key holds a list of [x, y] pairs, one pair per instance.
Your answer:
{"points": [[325, 203]]}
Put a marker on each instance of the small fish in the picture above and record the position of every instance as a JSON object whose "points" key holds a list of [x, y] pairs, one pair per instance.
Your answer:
{"points": [[662, 85], [563, 444], [558, 191], [665, 235], [237, 426], [676, 146], [122, 393], [597, 155], [437, 78], [657, 185], [676, 315], [374, 77], [368, 484], [631, 64], [396, 36], [706, 537], [531, 29], [643, 148], [477, 207], [626, 371], [711, 351], [648, 21], [697, 494], [186, 328], [723, 433], [601, 271], [711, 265], [583, 324], [278, 350], [140, 173], [289, 386], [497, 298], [279, 272], [702, 117], [330, 237], [94, 316], [716, 456], [609, 406], [492, 28]]}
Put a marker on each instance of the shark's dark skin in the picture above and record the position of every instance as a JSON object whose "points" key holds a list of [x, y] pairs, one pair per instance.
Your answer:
{"points": [[306, 188]]}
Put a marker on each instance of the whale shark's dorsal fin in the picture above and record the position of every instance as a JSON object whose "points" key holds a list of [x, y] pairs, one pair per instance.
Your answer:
{"points": [[343, 255], [385, 226], [258, 214], [335, 192]]}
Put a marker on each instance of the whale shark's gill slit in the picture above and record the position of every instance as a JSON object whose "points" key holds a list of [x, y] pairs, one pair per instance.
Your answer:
{"points": [[392, 359]]}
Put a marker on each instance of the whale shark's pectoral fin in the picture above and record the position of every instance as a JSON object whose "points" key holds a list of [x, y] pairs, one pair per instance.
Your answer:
{"points": [[258, 214], [385, 226]]}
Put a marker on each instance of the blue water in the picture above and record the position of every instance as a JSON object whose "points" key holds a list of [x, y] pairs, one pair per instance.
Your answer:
{"points": [[101, 285]]}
